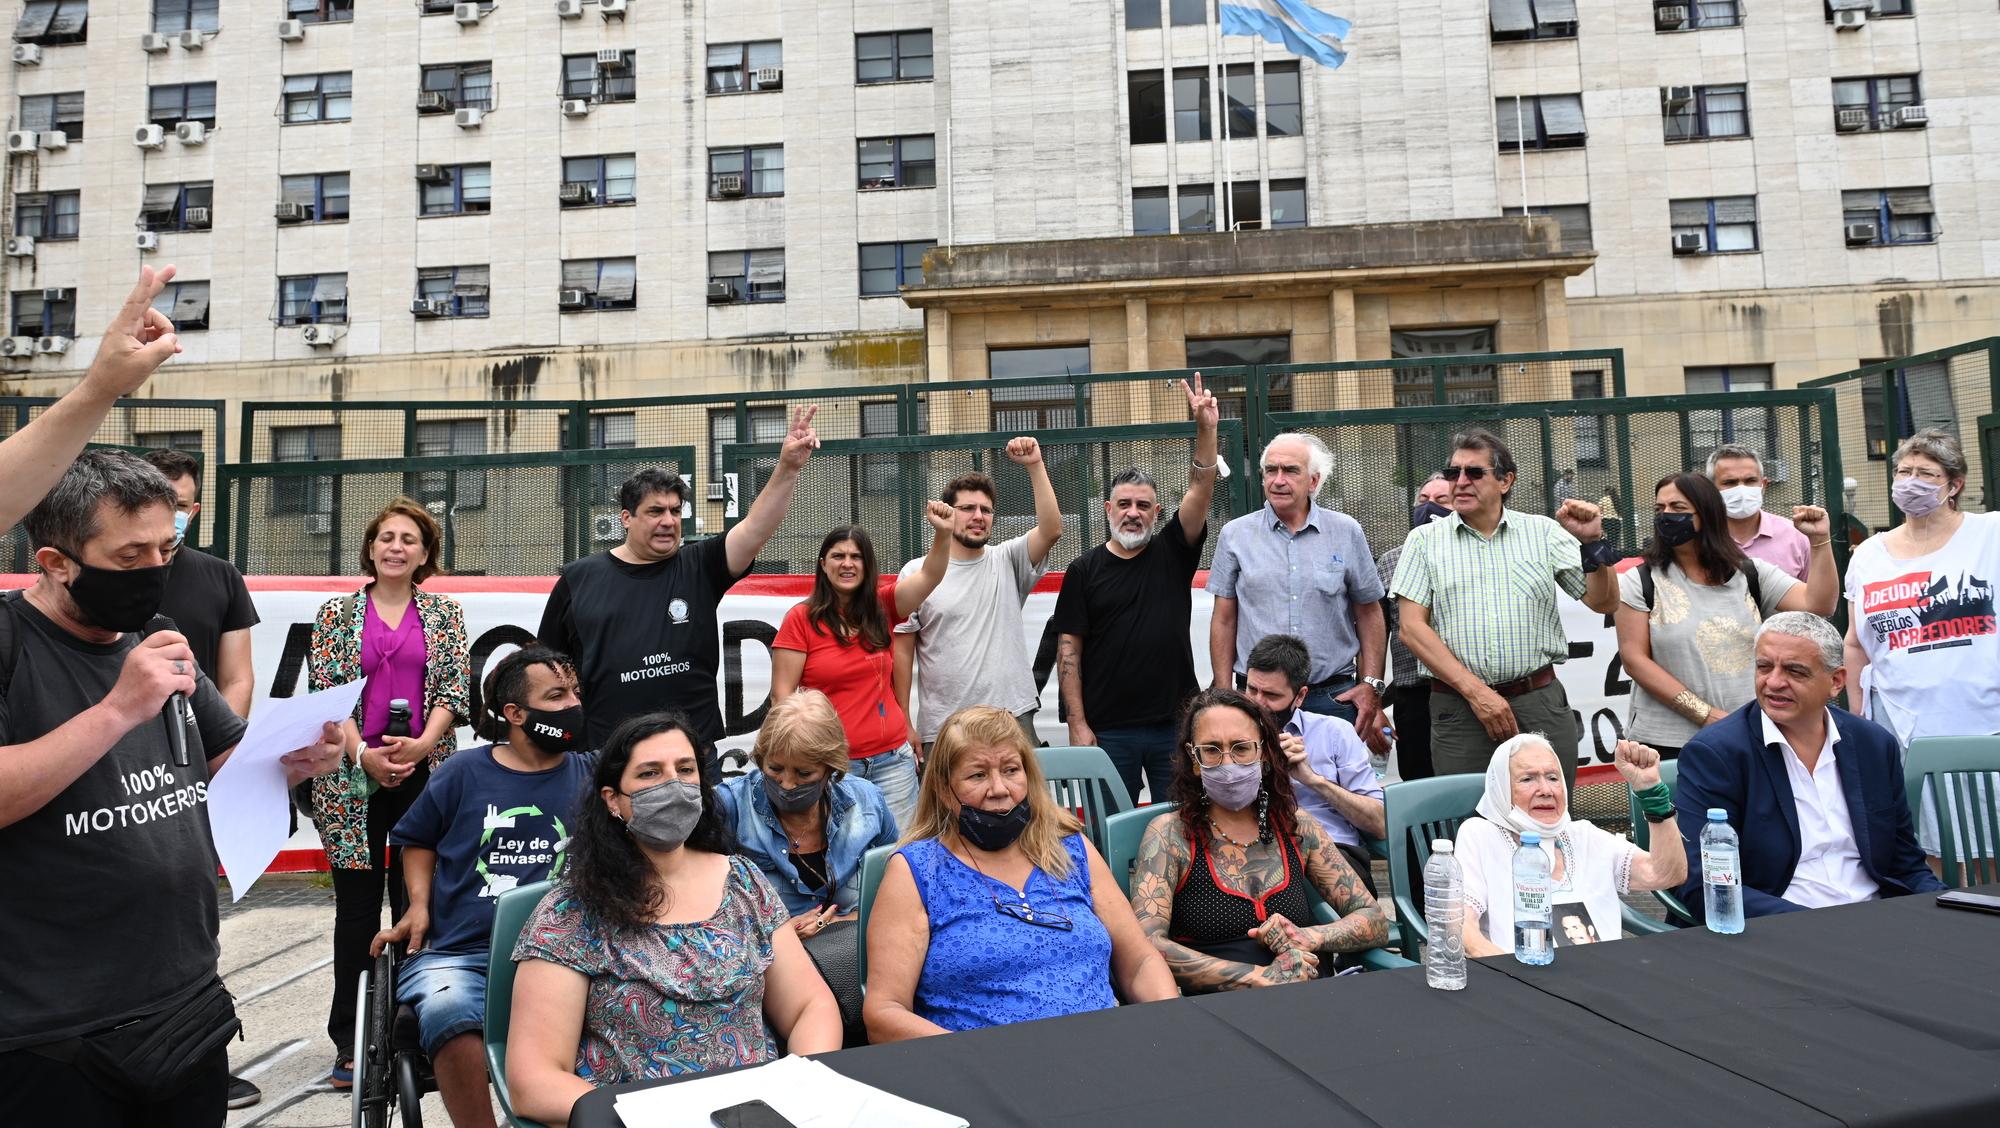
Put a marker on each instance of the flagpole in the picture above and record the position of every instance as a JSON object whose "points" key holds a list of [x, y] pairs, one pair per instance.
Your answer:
{"points": [[1228, 196]]}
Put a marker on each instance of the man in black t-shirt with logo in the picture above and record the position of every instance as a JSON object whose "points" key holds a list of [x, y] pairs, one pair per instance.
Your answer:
{"points": [[112, 1010], [640, 620], [1123, 653]]}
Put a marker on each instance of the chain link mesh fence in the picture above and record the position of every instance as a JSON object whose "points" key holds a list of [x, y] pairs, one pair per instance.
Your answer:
{"points": [[1881, 404]]}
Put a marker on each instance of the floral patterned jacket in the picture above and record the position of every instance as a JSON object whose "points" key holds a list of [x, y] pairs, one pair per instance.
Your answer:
{"points": [[340, 799]]}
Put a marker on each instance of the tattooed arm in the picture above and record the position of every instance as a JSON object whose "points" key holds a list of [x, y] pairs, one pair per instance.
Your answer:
{"points": [[1362, 923], [1164, 856], [1069, 680]]}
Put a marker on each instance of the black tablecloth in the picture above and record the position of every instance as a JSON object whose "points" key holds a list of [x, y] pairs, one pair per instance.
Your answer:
{"points": [[1886, 1014]]}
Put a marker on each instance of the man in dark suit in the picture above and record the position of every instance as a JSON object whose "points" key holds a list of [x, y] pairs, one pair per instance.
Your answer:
{"points": [[1815, 793]]}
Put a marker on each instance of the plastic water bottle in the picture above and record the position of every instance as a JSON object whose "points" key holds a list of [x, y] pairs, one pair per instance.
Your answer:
{"points": [[1444, 913], [1721, 874], [1532, 942], [399, 718]]}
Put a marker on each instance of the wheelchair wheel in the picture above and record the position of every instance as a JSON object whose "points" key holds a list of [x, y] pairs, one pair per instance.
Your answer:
{"points": [[374, 1051]]}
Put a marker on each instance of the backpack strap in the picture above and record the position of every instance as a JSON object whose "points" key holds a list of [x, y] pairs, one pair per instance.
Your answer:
{"points": [[1756, 586], [1646, 585]]}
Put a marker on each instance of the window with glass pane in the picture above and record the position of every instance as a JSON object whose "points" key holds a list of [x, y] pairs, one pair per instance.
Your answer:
{"points": [[727, 69], [767, 171], [1282, 114], [185, 304], [877, 168], [1288, 204], [1197, 208], [1532, 19], [913, 55], [614, 430], [1191, 111], [44, 112], [897, 162], [1704, 113], [332, 196], [171, 105], [1717, 13], [579, 76], [1464, 383], [1727, 224], [1246, 212], [1899, 215], [1547, 121], [897, 56], [879, 473], [460, 489], [1239, 93], [53, 23], [475, 86], [1574, 219], [1022, 363], [619, 83], [767, 425], [1152, 214], [1750, 427], [171, 17], [1189, 13], [1146, 96], [295, 304], [47, 215], [435, 285], [36, 315], [765, 271], [1224, 352], [885, 267], [1141, 15], [1585, 387], [621, 178], [303, 444]]}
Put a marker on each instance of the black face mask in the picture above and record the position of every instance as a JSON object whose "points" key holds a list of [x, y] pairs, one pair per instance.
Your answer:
{"points": [[1426, 513], [118, 599], [792, 800], [555, 730], [990, 832], [1674, 529]]}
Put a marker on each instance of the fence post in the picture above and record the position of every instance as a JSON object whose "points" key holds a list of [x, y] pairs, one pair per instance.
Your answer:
{"points": [[1548, 465], [1622, 428], [246, 451], [218, 525], [1836, 500]]}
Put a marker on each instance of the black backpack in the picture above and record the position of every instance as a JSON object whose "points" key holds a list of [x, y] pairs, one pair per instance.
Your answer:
{"points": [[1747, 567]]}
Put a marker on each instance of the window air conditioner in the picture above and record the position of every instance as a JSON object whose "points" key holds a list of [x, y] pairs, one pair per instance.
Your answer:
{"points": [[1849, 120], [149, 137], [21, 246], [611, 9], [153, 43], [1860, 234], [1670, 17], [569, 9], [191, 132], [53, 345], [17, 346], [432, 174], [146, 241], [196, 218], [611, 58], [573, 299], [769, 78], [291, 31], [27, 54], [606, 527], [723, 291], [318, 524], [21, 141], [433, 102], [1850, 19], [1678, 96], [424, 307], [1687, 243], [728, 184], [289, 212], [574, 192], [469, 117], [320, 336], [467, 14], [54, 140], [1910, 116], [191, 40], [576, 107], [54, 294]]}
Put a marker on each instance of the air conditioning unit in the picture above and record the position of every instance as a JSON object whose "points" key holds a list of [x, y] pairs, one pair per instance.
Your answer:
{"points": [[769, 78], [1850, 19], [1670, 17], [469, 117], [291, 31], [191, 132], [728, 184], [191, 40], [53, 345], [428, 307], [576, 107], [606, 527], [611, 9], [1677, 96], [27, 54], [289, 212], [467, 13], [1860, 234], [196, 218], [153, 43], [146, 241], [1910, 116], [17, 346], [54, 139], [318, 524], [1849, 120], [432, 174], [21, 246], [573, 299], [1688, 243], [433, 102], [719, 292], [569, 9], [320, 336], [611, 58], [21, 141], [149, 137], [575, 192]]}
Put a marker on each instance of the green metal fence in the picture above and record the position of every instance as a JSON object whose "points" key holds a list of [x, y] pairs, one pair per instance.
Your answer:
{"points": [[195, 426], [1881, 404]]}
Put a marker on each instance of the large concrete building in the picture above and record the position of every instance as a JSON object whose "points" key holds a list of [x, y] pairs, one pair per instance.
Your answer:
{"points": [[557, 198]]}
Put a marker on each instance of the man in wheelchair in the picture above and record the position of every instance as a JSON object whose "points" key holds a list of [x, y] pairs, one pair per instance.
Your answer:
{"points": [[491, 818]]}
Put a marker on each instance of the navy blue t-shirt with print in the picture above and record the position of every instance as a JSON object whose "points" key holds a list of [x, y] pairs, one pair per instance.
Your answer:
{"points": [[493, 828]]}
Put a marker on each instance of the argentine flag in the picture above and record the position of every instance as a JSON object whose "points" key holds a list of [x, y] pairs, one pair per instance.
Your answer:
{"points": [[1294, 25]]}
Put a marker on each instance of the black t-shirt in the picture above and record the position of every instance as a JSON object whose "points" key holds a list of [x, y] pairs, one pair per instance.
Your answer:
{"points": [[1138, 665], [108, 908], [644, 636], [206, 599]]}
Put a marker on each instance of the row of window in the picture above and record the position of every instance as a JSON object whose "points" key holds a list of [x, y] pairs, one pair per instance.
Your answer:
{"points": [[1190, 208], [1709, 113], [1190, 112], [1513, 20]]}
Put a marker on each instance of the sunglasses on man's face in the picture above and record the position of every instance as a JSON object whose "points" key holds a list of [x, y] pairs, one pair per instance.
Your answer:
{"points": [[1472, 473]]}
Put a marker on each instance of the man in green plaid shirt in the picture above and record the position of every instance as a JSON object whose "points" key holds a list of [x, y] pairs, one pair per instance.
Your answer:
{"points": [[1477, 592]]}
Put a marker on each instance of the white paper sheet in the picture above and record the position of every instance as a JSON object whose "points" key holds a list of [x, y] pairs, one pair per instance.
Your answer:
{"points": [[808, 1094], [247, 799]]}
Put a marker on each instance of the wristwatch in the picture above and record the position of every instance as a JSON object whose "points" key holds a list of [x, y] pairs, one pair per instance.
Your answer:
{"points": [[1377, 684]]}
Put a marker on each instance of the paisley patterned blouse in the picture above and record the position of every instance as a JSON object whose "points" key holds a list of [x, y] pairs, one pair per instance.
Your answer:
{"points": [[677, 998]]}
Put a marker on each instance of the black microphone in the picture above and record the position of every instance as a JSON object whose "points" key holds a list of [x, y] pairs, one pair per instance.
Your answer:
{"points": [[175, 710]]}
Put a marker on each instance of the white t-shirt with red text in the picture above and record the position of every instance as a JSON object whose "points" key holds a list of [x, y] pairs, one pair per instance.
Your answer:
{"points": [[1927, 625]]}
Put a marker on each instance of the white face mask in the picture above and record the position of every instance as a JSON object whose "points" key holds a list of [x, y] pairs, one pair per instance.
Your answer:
{"points": [[1743, 501]]}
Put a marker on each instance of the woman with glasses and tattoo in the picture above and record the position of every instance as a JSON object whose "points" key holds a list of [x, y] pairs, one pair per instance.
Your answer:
{"points": [[1222, 883], [997, 909]]}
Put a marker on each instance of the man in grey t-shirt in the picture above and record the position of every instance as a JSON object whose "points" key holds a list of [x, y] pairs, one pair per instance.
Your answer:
{"points": [[966, 641]]}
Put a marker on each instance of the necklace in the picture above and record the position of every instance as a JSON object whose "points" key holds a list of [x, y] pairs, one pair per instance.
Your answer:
{"points": [[1226, 836], [819, 879]]}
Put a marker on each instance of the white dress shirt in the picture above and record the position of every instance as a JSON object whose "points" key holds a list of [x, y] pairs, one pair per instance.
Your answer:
{"points": [[1829, 870]]}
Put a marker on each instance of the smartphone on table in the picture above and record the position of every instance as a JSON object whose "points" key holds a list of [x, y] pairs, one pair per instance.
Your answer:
{"points": [[749, 1114]]}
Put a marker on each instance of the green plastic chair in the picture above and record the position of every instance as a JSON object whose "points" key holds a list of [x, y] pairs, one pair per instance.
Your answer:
{"points": [[1642, 837], [873, 865], [1126, 829], [1419, 811], [510, 916], [1973, 805], [1084, 779]]}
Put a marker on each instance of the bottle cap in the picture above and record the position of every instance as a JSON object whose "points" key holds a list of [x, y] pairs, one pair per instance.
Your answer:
{"points": [[1530, 838], [1442, 846], [399, 703], [1717, 814]]}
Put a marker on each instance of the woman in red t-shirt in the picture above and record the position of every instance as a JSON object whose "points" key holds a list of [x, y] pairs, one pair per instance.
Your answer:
{"points": [[837, 642]]}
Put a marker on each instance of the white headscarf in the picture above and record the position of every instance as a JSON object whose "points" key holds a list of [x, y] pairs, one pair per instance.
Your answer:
{"points": [[1497, 805]]}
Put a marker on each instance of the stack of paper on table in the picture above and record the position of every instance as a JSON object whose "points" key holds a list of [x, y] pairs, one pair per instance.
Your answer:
{"points": [[808, 1094]]}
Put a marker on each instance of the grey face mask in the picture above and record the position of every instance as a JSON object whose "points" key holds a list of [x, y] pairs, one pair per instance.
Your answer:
{"points": [[664, 815]]}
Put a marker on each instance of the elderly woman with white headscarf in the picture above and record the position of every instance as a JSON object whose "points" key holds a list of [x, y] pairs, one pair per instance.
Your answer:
{"points": [[1590, 868]]}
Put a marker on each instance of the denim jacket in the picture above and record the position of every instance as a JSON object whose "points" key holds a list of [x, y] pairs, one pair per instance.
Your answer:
{"points": [[859, 822]]}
